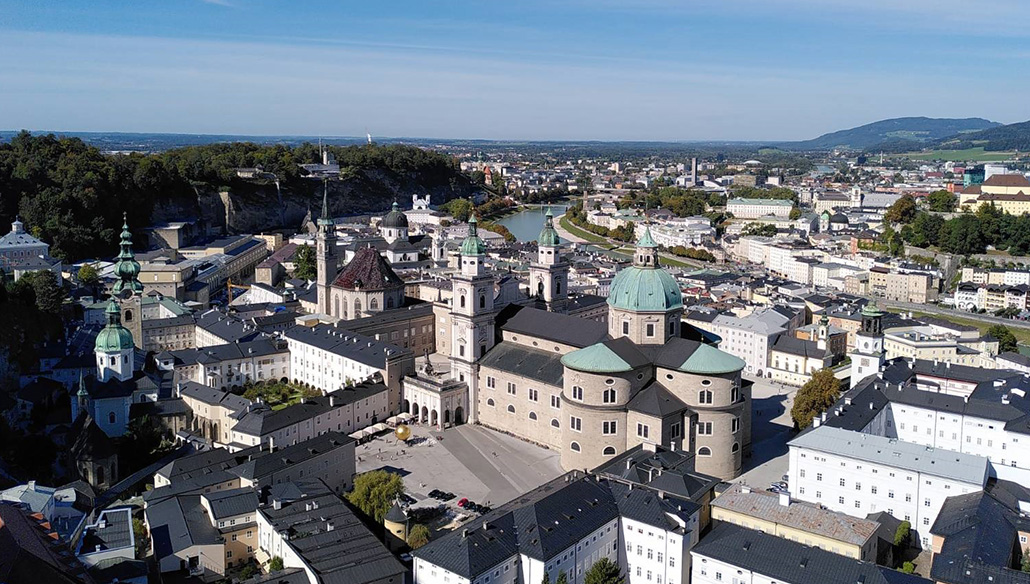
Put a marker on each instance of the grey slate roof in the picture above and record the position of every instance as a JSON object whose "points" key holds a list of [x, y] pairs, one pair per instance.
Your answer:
{"points": [[212, 396], [232, 502], [260, 420], [536, 364], [363, 349], [800, 347], [891, 452], [561, 328], [112, 531], [177, 523], [786, 561], [665, 470], [655, 400], [228, 351]]}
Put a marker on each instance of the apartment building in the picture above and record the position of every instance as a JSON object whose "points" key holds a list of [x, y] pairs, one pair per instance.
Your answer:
{"points": [[915, 287], [749, 338], [755, 208], [228, 365]]}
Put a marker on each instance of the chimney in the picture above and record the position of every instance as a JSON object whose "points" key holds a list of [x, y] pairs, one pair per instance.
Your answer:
{"points": [[277, 504], [745, 489], [816, 421], [271, 443], [332, 401], [785, 499], [464, 533], [329, 526], [32, 485], [629, 464]]}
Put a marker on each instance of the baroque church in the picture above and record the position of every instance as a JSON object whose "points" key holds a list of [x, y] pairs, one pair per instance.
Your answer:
{"points": [[590, 390]]}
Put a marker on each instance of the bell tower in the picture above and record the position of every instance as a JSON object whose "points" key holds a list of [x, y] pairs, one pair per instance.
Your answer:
{"points": [[325, 255], [472, 315], [128, 290], [549, 274], [868, 355]]}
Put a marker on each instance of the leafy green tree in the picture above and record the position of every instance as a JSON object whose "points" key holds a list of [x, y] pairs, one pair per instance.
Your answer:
{"points": [[963, 235], [942, 201], [142, 537], [762, 229], [908, 568], [418, 536], [604, 571], [1024, 564], [895, 245], [546, 579], [478, 177], [89, 276], [49, 294], [795, 213], [814, 397], [924, 231], [902, 532], [562, 578], [275, 564], [902, 211], [375, 491], [460, 209], [1007, 342], [305, 263]]}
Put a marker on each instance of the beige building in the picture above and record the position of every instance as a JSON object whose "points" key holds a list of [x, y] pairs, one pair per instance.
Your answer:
{"points": [[229, 365], [918, 288], [213, 413], [930, 343], [1008, 192]]}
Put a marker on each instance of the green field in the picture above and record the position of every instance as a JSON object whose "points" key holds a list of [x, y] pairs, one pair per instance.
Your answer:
{"points": [[968, 154]]}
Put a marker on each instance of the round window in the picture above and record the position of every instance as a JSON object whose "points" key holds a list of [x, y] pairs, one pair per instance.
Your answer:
{"points": [[640, 375], [668, 376], [706, 382], [609, 381]]}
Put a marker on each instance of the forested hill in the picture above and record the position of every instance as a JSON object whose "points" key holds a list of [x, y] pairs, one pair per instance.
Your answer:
{"points": [[914, 131], [1001, 138], [73, 195]]}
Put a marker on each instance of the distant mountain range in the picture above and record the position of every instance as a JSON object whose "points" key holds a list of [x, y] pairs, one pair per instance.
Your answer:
{"points": [[999, 138], [897, 134]]}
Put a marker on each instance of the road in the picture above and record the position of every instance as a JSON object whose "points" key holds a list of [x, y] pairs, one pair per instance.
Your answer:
{"points": [[565, 234], [934, 309]]}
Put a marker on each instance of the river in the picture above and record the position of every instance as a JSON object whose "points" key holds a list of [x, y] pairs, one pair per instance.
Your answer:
{"points": [[527, 223]]}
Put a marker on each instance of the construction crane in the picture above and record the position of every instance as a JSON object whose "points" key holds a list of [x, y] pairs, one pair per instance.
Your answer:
{"points": [[228, 288]]}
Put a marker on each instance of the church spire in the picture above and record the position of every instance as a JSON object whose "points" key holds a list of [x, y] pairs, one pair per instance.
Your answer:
{"points": [[127, 268], [325, 220]]}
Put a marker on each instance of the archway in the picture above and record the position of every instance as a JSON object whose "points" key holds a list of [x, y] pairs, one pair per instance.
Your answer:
{"points": [[434, 418], [459, 416], [425, 414], [407, 407], [447, 416]]}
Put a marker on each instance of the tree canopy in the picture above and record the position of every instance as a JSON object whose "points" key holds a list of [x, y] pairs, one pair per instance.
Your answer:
{"points": [[604, 571], [902, 211], [814, 397], [418, 536], [375, 492], [305, 263], [763, 229], [942, 201], [1007, 342]]}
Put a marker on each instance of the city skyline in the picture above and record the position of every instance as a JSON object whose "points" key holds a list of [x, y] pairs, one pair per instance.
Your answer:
{"points": [[786, 70]]}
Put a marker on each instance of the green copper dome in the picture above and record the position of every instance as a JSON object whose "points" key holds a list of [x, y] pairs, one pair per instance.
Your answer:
{"points": [[395, 218], [472, 245], [646, 240], [596, 359], [548, 236], [708, 360], [113, 337], [127, 268], [872, 309], [645, 289]]}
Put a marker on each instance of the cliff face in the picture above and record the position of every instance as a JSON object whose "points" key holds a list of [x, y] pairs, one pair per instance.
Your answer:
{"points": [[258, 205]]}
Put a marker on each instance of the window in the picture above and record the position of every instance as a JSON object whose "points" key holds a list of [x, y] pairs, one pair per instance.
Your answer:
{"points": [[511, 388], [532, 415], [642, 430], [675, 430], [482, 301], [577, 393], [511, 409], [650, 329], [608, 396], [841, 482], [534, 395], [840, 500], [576, 423], [461, 300], [608, 451], [608, 427], [873, 489], [704, 396], [735, 425], [819, 476], [110, 417], [490, 402], [625, 327], [555, 402], [554, 422], [574, 446], [704, 451], [704, 428], [735, 448], [491, 382]]}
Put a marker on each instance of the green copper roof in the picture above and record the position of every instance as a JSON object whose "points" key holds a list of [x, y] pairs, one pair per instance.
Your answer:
{"points": [[127, 268], [113, 337], [646, 240], [548, 236], [472, 245], [872, 309], [645, 289], [595, 359], [325, 219], [708, 360]]}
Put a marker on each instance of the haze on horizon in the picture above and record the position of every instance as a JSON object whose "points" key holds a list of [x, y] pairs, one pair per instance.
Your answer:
{"points": [[533, 70]]}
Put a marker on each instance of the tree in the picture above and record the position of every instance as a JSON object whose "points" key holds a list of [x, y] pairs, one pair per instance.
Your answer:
{"points": [[460, 209], [795, 213], [305, 263], [942, 201], [49, 293], [902, 211], [908, 567], [562, 578], [963, 235], [1006, 340], [924, 231], [547, 578], [901, 533], [604, 571], [275, 564], [1024, 565], [814, 397], [89, 277], [139, 531], [762, 229], [375, 491], [895, 245], [418, 536]]}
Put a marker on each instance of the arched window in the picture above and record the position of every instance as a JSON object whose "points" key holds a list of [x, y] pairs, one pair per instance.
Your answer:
{"points": [[128, 316], [609, 396], [461, 301], [532, 415], [490, 402], [110, 417], [373, 304], [389, 302], [608, 451], [704, 451], [554, 422], [574, 446], [704, 396], [735, 448], [557, 286], [511, 409], [357, 307], [482, 300], [100, 475]]}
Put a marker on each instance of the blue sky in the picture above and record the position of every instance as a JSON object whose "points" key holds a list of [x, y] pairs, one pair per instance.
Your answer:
{"points": [[533, 69]]}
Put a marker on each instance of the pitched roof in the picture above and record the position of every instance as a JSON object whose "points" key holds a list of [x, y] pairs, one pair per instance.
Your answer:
{"points": [[30, 554], [1006, 180], [369, 271], [536, 364], [561, 328]]}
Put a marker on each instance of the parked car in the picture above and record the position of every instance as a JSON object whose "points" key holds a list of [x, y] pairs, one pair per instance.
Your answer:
{"points": [[780, 485], [463, 501], [785, 478], [435, 493], [408, 499]]}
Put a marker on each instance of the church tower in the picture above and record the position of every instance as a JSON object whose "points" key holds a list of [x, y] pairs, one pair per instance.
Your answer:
{"points": [[128, 290], [472, 315], [549, 274], [645, 303], [114, 348], [325, 255], [867, 357]]}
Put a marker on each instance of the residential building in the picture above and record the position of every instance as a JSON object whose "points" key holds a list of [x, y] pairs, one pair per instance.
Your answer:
{"points": [[229, 365], [213, 412], [748, 338], [755, 208], [915, 287]]}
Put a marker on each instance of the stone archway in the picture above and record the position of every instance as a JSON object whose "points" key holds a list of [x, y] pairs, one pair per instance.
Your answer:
{"points": [[414, 410], [447, 416], [459, 416], [425, 414], [406, 408], [434, 418]]}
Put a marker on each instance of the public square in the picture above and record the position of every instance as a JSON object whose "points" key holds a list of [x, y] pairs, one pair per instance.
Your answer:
{"points": [[771, 429]]}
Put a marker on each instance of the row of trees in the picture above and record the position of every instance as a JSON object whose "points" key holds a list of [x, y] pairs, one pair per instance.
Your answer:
{"points": [[681, 202], [693, 253], [578, 217], [969, 233]]}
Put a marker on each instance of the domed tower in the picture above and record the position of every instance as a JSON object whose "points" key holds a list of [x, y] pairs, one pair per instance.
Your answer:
{"points": [[549, 274], [472, 315], [128, 290], [114, 348], [645, 302], [394, 225], [325, 257], [867, 357], [396, 524]]}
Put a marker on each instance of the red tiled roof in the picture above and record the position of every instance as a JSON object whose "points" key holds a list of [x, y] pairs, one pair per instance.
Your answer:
{"points": [[368, 271], [1007, 180]]}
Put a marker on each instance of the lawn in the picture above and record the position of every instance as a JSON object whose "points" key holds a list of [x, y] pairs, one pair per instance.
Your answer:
{"points": [[580, 233], [1022, 334], [968, 154]]}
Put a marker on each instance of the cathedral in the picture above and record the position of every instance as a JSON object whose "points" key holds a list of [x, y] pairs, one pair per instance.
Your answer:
{"points": [[590, 390]]}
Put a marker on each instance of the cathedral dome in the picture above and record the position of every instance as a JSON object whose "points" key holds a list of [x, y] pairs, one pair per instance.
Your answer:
{"points": [[113, 338], [395, 219], [645, 289]]}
